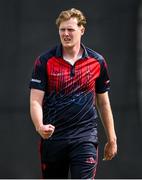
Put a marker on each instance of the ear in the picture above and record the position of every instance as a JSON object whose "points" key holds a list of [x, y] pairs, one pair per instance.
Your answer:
{"points": [[82, 30]]}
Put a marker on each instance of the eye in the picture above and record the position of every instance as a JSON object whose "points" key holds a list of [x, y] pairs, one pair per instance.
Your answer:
{"points": [[70, 30], [62, 30]]}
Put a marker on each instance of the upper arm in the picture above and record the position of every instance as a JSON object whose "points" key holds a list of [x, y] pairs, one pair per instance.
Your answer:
{"points": [[103, 81], [39, 75], [36, 96]]}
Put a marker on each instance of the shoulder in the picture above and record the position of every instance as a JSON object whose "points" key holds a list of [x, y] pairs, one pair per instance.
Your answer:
{"points": [[93, 54], [46, 55]]}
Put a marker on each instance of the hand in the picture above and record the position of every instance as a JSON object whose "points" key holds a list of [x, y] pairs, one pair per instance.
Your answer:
{"points": [[110, 150], [46, 131]]}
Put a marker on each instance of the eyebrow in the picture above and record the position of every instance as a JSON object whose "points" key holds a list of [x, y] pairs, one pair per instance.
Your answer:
{"points": [[68, 28]]}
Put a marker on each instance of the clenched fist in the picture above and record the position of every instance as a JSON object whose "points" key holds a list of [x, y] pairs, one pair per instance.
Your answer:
{"points": [[46, 131]]}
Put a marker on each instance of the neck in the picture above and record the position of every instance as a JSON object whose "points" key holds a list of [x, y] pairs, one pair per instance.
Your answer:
{"points": [[72, 52]]}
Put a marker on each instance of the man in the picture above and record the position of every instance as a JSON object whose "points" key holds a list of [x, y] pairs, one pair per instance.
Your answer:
{"points": [[68, 83]]}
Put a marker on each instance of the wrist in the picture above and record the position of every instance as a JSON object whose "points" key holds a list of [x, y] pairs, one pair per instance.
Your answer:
{"points": [[112, 140], [38, 127]]}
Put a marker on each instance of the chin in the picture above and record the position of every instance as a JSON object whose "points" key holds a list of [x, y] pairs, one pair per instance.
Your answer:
{"points": [[67, 45]]}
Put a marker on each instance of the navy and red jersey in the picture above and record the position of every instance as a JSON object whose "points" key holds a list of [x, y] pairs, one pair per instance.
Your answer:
{"points": [[69, 100]]}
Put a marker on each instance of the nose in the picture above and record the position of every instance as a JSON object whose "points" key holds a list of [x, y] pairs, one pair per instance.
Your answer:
{"points": [[66, 32]]}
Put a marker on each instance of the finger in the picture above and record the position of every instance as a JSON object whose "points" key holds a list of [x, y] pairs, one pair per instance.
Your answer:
{"points": [[46, 136], [47, 133], [49, 128], [107, 157]]}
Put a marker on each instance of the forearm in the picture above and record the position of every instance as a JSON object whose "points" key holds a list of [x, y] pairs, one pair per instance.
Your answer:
{"points": [[36, 100], [108, 123], [36, 114], [45, 131], [106, 116]]}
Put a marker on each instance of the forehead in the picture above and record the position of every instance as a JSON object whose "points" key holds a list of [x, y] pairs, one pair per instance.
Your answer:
{"points": [[69, 23]]}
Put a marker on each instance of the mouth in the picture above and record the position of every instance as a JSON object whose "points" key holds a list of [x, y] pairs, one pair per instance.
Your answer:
{"points": [[67, 40]]}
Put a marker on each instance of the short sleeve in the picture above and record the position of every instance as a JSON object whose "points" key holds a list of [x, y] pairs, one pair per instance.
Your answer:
{"points": [[103, 81], [39, 77]]}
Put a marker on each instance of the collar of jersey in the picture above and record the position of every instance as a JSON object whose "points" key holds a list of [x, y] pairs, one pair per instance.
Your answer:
{"points": [[59, 51]]}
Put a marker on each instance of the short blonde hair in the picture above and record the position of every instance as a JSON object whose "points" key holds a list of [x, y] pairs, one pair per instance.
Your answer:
{"points": [[71, 13]]}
